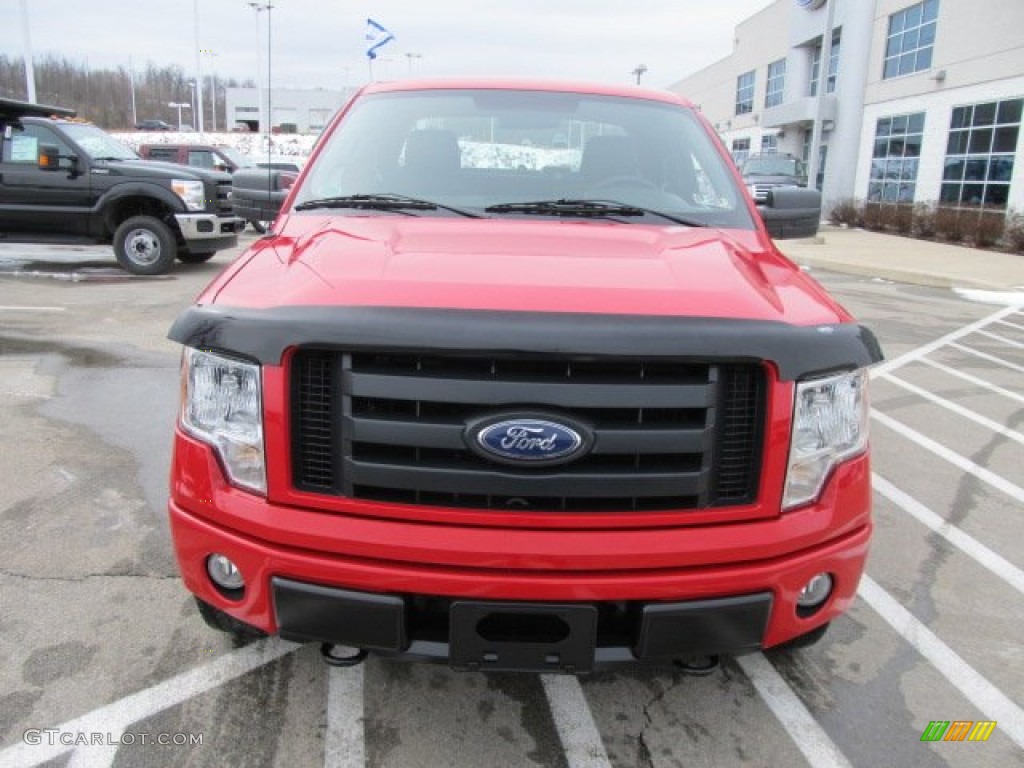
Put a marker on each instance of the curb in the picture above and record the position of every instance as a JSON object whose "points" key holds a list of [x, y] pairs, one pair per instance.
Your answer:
{"points": [[929, 280]]}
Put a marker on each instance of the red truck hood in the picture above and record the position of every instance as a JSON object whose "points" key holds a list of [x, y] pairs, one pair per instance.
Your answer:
{"points": [[540, 265]]}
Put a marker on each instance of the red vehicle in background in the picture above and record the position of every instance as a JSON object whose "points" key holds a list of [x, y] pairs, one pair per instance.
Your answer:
{"points": [[520, 381]]}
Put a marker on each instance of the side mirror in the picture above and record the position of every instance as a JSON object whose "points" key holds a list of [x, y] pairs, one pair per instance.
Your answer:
{"points": [[49, 157], [791, 212]]}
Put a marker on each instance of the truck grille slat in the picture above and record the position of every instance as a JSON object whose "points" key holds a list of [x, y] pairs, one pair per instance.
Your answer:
{"points": [[668, 434], [224, 205]]}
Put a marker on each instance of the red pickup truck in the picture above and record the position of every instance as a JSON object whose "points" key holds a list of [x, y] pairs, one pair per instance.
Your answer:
{"points": [[519, 381]]}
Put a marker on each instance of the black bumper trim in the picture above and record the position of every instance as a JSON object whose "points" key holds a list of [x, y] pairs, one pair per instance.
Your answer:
{"points": [[727, 625], [308, 612], [661, 632]]}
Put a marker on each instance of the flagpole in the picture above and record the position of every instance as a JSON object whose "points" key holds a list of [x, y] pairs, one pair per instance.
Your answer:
{"points": [[369, 64]]}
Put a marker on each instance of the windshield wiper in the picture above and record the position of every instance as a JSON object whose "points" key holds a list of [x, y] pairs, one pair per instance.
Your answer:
{"points": [[382, 202], [597, 208]]}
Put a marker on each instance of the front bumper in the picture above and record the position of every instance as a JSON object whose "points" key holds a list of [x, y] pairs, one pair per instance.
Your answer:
{"points": [[209, 227], [392, 585]]}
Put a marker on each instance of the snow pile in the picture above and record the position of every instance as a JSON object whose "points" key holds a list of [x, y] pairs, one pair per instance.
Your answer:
{"points": [[524, 157], [291, 144]]}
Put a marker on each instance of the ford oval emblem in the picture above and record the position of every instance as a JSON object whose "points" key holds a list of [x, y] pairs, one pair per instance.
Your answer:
{"points": [[529, 439]]}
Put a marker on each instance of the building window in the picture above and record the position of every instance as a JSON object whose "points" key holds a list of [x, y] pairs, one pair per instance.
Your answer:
{"points": [[980, 153], [776, 83], [908, 46], [833, 64], [740, 151], [769, 144], [745, 93], [896, 157]]}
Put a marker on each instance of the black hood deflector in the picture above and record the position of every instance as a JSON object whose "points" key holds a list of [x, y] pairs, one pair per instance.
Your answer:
{"points": [[265, 334]]}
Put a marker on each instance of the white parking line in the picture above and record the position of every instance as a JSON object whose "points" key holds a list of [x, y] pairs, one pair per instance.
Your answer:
{"points": [[986, 475], [1001, 339], [1011, 325], [967, 544], [990, 358], [949, 338], [97, 756], [581, 741], [979, 382], [949, 405], [800, 724], [345, 740], [992, 702], [118, 715]]}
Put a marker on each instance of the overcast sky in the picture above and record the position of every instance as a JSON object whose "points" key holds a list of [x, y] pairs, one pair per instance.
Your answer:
{"points": [[320, 43]]}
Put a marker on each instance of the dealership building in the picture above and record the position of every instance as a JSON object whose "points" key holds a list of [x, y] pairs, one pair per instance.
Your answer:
{"points": [[918, 101], [292, 110]]}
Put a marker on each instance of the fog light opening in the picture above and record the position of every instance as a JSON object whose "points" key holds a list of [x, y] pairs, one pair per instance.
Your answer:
{"points": [[814, 595], [225, 575]]}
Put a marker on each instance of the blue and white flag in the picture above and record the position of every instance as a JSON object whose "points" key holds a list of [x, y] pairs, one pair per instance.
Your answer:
{"points": [[376, 36]]}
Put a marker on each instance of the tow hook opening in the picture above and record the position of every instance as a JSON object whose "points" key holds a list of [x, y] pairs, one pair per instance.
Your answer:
{"points": [[697, 666], [340, 660]]}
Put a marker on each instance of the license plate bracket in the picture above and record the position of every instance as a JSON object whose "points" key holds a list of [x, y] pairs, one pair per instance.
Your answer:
{"points": [[541, 637]]}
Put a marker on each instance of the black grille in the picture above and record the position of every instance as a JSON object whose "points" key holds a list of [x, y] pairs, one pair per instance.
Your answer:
{"points": [[390, 427], [224, 205]]}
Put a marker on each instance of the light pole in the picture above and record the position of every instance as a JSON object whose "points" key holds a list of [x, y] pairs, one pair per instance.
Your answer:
{"points": [[213, 103], [264, 119], [131, 75], [814, 158], [198, 111], [410, 57], [213, 94], [639, 71], [180, 105], [192, 85], [30, 72]]}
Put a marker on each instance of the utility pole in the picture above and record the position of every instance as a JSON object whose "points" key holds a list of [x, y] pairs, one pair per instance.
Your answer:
{"points": [[30, 72], [639, 71]]}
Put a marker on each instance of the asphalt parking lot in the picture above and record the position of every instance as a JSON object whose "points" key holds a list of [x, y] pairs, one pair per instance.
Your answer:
{"points": [[105, 662]]}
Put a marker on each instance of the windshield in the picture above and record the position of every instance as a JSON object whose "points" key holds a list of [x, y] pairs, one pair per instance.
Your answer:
{"points": [[773, 165], [472, 149], [96, 143]]}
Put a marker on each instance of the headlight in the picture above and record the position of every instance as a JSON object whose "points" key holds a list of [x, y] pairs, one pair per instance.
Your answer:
{"points": [[830, 425], [191, 193], [222, 406]]}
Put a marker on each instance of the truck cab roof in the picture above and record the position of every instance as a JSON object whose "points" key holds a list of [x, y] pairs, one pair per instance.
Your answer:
{"points": [[11, 111]]}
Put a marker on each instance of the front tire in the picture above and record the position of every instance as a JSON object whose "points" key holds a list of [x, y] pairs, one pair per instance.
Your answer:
{"points": [[805, 640], [215, 618], [188, 257], [144, 245]]}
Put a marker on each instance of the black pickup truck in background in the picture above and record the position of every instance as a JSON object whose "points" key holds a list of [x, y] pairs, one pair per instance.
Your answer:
{"points": [[258, 193], [68, 181]]}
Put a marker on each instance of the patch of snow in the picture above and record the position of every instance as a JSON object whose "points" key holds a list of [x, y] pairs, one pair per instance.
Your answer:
{"points": [[1003, 298], [251, 144]]}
